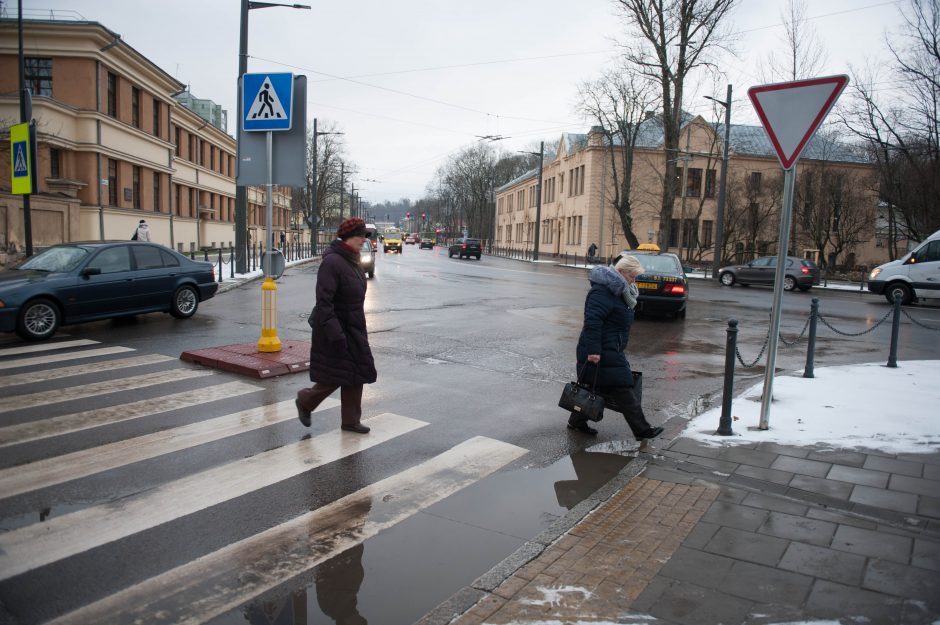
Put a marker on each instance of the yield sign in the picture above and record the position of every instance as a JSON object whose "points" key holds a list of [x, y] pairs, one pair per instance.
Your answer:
{"points": [[791, 112]]}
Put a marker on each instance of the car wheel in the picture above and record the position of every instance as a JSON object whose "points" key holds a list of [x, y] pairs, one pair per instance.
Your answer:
{"points": [[450, 254], [727, 278], [478, 257], [38, 320], [185, 302], [789, 283], [901, 290], [371, 274], [804, 287]]}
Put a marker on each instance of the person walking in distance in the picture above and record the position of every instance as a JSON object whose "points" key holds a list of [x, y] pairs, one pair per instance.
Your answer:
{"points": [[608, 315], [340, 356], [143, 231]]}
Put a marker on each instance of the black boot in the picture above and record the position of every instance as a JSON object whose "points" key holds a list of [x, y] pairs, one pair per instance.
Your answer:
{"points": [[581, 426]]}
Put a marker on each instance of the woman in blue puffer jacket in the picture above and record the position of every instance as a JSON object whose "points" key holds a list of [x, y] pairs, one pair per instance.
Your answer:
{"points": [[608, 315]]}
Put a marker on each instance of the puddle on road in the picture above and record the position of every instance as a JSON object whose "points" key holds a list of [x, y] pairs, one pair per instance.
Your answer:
{"points": [[401, 574]]}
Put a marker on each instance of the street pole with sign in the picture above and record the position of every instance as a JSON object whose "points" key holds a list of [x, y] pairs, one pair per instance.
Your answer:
{"points": [[791, 113]]}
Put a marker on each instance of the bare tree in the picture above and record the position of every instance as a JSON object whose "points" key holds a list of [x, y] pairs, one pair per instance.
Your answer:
{"points": [[330, 152], [668, 39], [902, 128], [801, 52], [618, 102], [751, 214]]}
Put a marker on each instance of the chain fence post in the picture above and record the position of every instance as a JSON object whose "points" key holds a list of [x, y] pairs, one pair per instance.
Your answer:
{"points": [[724, 423], [231, 263], [895, 331], [811, 347], [221, 266]]}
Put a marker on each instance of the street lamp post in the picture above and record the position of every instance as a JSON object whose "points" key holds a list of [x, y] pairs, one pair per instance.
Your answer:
{"points": [[315, 209], [538, 199], [241, 194], [722, 184]]}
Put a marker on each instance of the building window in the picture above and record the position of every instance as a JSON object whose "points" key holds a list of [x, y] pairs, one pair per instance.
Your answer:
{"points": [[509, 203], [673, 233], [156, 117], [177, 132], [112, 182], [710, 183], [753, 184], [688, 233], [212, 157], [193, 202], [707, 226], [156, 192], [135, 107], [55, 163], [135, 184], [112, 95], [693, 182], [201, 150], [38, 75], [179, 199], [192, 147]]}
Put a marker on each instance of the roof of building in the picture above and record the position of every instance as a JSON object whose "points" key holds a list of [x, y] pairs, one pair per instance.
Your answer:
{"points": [[532, 173]]}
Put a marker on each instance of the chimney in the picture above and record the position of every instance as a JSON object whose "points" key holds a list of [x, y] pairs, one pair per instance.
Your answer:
{"points": [[596, 135]]}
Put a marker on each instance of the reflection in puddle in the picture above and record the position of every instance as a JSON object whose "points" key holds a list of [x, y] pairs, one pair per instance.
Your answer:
{"points": [[404, 572]]}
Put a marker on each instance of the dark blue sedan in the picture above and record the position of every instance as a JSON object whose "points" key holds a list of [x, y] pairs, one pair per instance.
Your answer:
{"points": [[78, 282]]}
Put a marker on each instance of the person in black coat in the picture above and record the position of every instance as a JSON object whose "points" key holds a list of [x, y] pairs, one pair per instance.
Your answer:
{"points": [[608, 315], [340, 356]]}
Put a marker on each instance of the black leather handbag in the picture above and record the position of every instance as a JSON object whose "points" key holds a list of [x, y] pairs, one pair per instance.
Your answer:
{"points": [[576, 397]]}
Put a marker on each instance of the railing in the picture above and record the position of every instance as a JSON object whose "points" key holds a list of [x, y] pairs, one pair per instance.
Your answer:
{"points": [[223, 260]]}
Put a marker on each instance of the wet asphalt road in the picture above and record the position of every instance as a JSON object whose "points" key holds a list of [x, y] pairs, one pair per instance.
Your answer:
{"points": [[472, 348]]}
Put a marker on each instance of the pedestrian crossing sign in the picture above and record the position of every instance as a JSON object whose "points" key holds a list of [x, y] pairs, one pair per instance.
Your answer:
{"points": [[20, 160], [266, 101]]}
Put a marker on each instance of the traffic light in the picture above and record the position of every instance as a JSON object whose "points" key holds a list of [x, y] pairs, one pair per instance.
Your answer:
{"points": [[423, 215], [408, 215]]}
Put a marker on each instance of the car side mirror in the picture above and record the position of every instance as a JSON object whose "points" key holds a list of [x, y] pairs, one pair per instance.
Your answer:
{"points": [[91, 271]]}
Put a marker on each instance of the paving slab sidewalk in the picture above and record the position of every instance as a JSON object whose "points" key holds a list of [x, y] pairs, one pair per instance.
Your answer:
{"points": [[757, 533]]}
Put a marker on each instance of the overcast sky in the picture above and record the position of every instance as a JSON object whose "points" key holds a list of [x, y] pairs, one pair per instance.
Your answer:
{"points": [[413, 81]]}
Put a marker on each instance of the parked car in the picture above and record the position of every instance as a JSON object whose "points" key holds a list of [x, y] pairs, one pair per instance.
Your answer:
{"points": [[78, 282], [663, 285], [913, 277], [800, 273], [367, 257], [465, 247], [427, 241]]}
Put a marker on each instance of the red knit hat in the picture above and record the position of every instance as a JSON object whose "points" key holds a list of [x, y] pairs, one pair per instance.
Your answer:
{"points": [[352, 227]]}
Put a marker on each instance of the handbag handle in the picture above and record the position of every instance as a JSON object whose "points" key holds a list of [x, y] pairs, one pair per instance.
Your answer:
{"points": [[596, 369]]}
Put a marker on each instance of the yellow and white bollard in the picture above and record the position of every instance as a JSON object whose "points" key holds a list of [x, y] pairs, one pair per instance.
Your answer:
{"points": [[269, 341]]}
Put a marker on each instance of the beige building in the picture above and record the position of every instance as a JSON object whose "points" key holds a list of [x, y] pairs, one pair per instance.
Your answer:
{"points": [[115, 146], [835, 207]]}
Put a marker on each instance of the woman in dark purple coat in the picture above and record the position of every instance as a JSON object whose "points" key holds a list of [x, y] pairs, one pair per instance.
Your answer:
{"points": [[339, 348]]}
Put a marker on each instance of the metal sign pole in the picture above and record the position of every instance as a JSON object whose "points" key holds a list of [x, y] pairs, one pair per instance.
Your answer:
{"points": [[269, 200], [789, 182]]}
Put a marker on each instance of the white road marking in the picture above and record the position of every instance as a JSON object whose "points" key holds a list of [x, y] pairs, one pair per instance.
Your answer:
{"points": [[40, 544], [221, 581], [44, 347], [67, 372], [51, 358], [44, 398], [69, 423], [58, 469]]}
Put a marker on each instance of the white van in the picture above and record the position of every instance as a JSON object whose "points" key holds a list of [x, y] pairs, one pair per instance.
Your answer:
{"points": [[913, 277]]}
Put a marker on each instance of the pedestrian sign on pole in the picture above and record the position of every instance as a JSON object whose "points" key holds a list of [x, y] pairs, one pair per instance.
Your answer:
{"points": [[20, 159], [267, 101], [791, 112]]}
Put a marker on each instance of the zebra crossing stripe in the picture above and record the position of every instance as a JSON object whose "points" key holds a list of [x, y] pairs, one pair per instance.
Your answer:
{"points": [[69, 423], [44, 398], [39, 544], [59, 469], [221, 581], [52, 358], [44, 347], [67, 372]]}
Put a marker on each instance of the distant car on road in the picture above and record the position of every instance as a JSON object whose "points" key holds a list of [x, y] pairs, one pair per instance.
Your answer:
{"points": [[427, 241], [392, 241], [465, 248], [800, 273], [663, 285], [367, 257], [78, 282], [412, 239]]}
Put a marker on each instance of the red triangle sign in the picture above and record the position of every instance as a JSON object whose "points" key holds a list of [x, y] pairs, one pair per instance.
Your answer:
{"points": [[791, 112]]}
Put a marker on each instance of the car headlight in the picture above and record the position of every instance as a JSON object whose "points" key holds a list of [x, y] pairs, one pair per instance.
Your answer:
{"points": [[874, 273]]}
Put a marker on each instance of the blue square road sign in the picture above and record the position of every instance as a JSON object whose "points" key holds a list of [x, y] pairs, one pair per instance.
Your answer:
{"points": [[266, 101]]}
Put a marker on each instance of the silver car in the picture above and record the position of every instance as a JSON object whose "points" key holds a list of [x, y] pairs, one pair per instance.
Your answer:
{"points": [[367, 257]]}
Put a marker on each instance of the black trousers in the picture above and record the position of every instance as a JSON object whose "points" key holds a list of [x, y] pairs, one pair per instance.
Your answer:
{"points": [[627, 403]]}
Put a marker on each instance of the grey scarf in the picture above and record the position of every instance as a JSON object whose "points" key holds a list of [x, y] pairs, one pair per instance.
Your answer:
{"points": [[630, 294]]}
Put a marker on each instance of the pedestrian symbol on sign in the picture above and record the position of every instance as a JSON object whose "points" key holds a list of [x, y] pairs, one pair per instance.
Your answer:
{"points": [[266, 104], [20, 166]]}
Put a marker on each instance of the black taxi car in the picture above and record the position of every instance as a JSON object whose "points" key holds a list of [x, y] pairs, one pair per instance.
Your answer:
{"points": [[663, 285]]}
